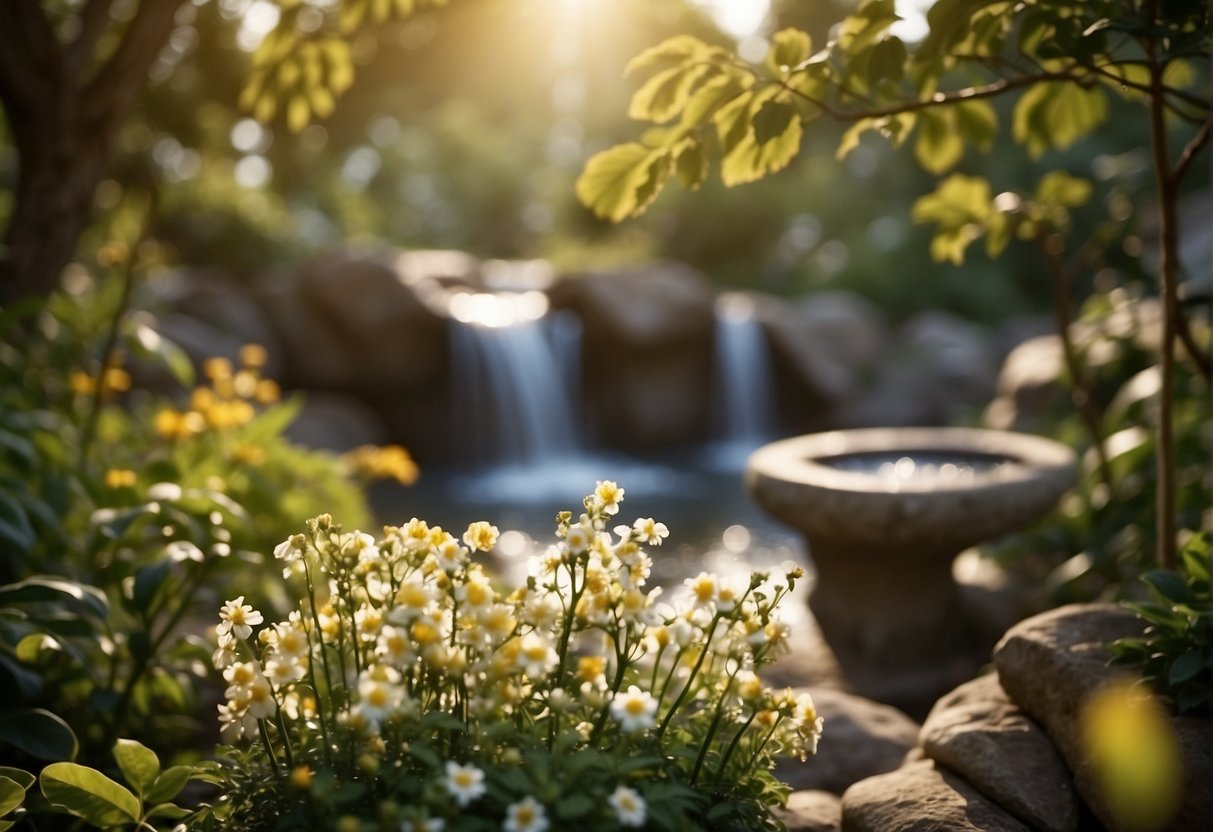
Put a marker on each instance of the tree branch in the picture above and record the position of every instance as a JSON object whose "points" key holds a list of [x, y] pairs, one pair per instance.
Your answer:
{"points": [[93, 18], [110, 93]]}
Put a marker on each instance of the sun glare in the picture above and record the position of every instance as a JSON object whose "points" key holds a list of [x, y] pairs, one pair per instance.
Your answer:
{"points": [[739, 18]]}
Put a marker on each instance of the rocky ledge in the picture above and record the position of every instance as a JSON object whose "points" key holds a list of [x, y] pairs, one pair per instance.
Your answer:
{"points": [[1000, 752]]}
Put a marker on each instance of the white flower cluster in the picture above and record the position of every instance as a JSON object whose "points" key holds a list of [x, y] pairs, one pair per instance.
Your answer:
{"points": [[411, 624]]}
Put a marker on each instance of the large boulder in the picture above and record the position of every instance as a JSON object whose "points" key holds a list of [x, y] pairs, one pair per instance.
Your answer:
{"points": [[824, 347], [811, 811], [922, 798], [1053, 663], [648, 334], [358, 321], [979, 733], [861, 738]]}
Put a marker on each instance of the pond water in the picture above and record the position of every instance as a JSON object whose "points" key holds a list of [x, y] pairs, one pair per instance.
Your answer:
{"points": [[698, 494]]}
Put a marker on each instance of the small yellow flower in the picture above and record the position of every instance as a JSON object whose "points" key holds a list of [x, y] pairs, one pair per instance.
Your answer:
{"points": [[267, 391], [301, 778], [481, 536], [253, 356], [216, 368], [247, 454], [119, 478]]}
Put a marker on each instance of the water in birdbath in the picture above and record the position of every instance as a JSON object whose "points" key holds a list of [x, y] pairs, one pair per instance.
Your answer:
{"points": [[920, 465]]}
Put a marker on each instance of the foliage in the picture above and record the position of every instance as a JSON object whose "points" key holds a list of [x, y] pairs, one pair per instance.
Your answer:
{"points": [[1176, 652], [102, 803], [1063, 60], [120, 509], [407, 692]]}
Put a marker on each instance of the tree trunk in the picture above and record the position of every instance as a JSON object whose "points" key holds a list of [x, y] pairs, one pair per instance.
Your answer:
{"points": [[63, 112]]}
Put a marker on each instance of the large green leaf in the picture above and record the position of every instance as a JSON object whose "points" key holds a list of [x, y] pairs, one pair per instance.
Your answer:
{"points": [[89, 794], [665, 94], [143, 341], [11, 795], [38, 732], [1060, 188], [611, 183], [138, 764], [789, 48], [669, 52], [50, 589], [939, 145], [960, 207], [1055, 114], [752, 159], [169, 784]]}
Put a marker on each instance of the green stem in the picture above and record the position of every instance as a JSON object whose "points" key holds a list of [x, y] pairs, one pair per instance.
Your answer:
{"points": [[269, 747], [686, 689], [324, 661], [728, 752]]}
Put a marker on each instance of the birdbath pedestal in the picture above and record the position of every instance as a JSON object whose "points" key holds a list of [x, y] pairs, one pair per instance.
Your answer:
{"points": [[885, 512]]}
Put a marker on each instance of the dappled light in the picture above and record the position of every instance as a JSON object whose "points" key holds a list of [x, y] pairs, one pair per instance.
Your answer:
{"points": [[462, 415]]}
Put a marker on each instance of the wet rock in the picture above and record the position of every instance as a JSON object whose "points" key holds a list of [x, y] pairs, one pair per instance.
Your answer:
{"points": [[352, 320], [979, 733], [922, 798], [811, 811], [861, 738], [647, 344], [1029, 385], [1052, 663]]}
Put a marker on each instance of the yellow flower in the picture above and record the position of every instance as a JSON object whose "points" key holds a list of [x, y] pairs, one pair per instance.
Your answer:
{"points": [[480, 536], [119, 478], [216, 368], [267, 391], [247, 454], [253, 356]]}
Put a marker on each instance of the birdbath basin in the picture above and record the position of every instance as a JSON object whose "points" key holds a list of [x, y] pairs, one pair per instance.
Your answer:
{"points": [[885, 512]]}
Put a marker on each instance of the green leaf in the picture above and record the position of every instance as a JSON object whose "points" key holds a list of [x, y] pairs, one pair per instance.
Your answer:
{"points": [[732, 120], [772, 120], [1169, 585], [143, 341], [885, 61], [169, 784], [611, 180], [148, 580], [939, 145], [19, 776], [11, 795], [89, 794], [1060, 188], [574, 806], [691, 165], [1186, 667], [138, 764], [16, 531], [665, 94], [168, 810], [977, 121], [41, 589], [704, 101], [789, 48], [38, 732], [1055, 114], [949, 22], [850, 139], [750, 159], [671, 51]]}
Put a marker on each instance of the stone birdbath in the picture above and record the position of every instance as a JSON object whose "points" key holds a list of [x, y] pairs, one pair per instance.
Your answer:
{"points": [[885, 512]]}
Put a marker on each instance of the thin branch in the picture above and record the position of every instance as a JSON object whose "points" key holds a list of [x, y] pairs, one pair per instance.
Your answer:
{"points": [[1182, 329], [93, 18], [939, 99], [1197, 144]]}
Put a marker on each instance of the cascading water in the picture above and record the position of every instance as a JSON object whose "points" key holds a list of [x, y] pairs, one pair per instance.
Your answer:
{"points": [[513, 378], [745, 388]]}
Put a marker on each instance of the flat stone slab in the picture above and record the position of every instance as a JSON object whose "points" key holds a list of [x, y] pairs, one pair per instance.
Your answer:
{"points": [[978, 732], [811, 811], [1052, 663], [861, 738], [922, 798]]}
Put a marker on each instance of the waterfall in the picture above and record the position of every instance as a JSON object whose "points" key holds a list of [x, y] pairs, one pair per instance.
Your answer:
{"points": [[745, 389], [515, 373]]}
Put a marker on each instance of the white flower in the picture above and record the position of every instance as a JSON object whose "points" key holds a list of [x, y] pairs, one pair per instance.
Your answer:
{"points": [[527, 815], [629, 806], [292, 639], [379, 693], [578, 539], [261, 702], [536, 656], [480, 536], [607, 496], [650, 531], [703, 589], [236, 722], [634, 710], [284, 671], [236, 618], [465, 783]]}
